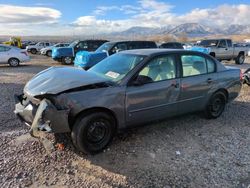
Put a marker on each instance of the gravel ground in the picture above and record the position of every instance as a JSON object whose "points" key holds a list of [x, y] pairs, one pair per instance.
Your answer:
{"points": [[188, 151]]}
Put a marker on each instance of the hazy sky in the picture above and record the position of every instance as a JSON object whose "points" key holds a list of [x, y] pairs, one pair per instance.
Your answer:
{"points": [[64, 17]]}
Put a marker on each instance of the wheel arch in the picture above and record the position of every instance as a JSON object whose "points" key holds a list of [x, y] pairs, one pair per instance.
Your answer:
{"points": [[85, 112], [212, 54], [223, 90], [241, 53]]}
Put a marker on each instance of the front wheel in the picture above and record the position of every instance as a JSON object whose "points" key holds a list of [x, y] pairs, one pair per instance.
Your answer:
{"points": [[67, 60], [240, 59], [216, 105], [92, 133]]}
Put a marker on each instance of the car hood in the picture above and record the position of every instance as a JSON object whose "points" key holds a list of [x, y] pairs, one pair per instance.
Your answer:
{"points": [[55, 80]]}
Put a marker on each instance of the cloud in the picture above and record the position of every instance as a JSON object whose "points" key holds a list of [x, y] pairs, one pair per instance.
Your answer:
{"points": [[10, 14], [125, 9], [153, 13], [219, 16]]}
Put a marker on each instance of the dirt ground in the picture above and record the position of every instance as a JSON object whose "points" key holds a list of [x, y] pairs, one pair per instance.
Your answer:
{"points": [[187, 151]]}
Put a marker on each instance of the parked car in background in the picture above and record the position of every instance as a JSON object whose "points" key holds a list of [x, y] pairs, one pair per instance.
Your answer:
{"points": [[126, 89], [37, 47], [12, 55], [48, 50], [86, 59], [246, 76], [27, 43], [66, 55], [223, 49], [172, 45]]}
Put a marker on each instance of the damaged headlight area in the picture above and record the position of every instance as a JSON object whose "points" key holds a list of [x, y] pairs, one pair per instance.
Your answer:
{"points": [[41, 115]]}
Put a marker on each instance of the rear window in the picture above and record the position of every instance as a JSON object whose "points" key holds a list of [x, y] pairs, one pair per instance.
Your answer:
{"points": [[141, 45]]}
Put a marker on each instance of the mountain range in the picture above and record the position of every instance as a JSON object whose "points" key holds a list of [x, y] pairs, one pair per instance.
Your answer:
{"points": [[189, 29]]}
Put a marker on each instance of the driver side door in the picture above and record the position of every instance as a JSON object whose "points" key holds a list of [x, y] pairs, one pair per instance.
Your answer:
{"points": [[222, 50], [158, 98]]}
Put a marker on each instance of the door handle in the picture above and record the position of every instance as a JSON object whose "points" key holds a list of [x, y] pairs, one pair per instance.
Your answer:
{"points": [[209, 80], [176, 85]]}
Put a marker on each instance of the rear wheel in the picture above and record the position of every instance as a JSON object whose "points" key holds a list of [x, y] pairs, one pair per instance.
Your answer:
{"points": [[240, 59], [49, 53], [216, 105], [33, 51], [13, 62], [67, 60], [92, 133]]}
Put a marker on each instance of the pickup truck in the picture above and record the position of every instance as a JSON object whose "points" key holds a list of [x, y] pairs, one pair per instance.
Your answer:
{"points": [[66, 55], [223, 49], [37, 47]]}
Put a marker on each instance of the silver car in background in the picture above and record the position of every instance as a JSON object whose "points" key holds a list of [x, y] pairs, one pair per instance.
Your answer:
{"points": [[48, 50], [12, 55]]}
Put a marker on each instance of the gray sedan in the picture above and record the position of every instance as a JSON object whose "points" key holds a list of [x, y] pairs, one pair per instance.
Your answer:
{"points": [[126, 89]]}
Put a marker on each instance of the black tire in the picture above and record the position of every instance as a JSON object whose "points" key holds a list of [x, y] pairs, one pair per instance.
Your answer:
{"points": [[240, 59], [33, 51], [67, 60], [216, 105], [14, 62], [49, 53], [92, 133]]}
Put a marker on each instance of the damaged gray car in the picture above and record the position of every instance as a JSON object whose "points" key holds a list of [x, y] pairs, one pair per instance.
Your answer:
{"points": [[126, 89]]}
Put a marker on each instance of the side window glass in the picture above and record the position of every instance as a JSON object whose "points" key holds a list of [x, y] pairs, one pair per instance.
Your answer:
{"points": [[222, 44], [95, 45], [82, 45], [119, 47], [193, 65], [41, 44], [210, 66], [229, 43], [2, 49], [161, 68]]}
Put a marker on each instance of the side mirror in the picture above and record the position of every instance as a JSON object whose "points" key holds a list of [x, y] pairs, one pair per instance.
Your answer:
{"points": [[141, 80]]}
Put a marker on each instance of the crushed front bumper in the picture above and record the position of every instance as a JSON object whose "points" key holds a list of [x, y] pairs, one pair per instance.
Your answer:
{"points": [[43, 116]]}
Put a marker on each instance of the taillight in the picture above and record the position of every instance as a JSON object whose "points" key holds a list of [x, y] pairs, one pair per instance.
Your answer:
{"points": [[241, 75], [25, 53]]}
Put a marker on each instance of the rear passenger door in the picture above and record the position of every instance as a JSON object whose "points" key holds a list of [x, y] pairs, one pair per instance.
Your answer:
{"points": [[198, 77], [158, 98]]}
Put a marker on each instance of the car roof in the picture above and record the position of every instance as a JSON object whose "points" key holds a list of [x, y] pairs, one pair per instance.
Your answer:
{"points": [[151, 51], [114, 42], [160, 51]]}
